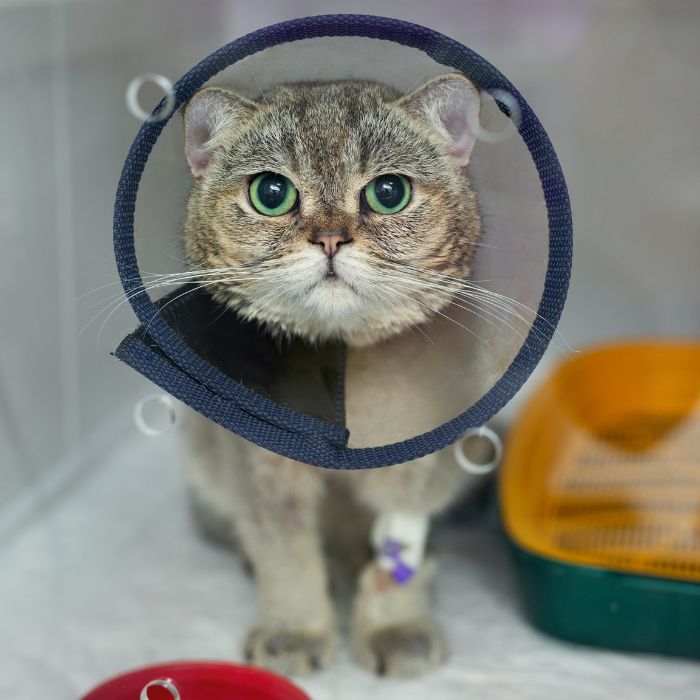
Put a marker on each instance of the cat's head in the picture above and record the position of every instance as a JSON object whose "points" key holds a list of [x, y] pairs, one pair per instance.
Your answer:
{"points": [[326, 209]]}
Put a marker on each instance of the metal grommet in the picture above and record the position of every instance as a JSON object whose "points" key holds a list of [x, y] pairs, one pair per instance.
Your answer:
{"points": [[512, 124], [162, 422], [486, 448], [132, 97], [166, 683]]}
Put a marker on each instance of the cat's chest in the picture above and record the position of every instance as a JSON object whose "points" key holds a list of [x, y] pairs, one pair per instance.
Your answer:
{"points": [[412, 383]]}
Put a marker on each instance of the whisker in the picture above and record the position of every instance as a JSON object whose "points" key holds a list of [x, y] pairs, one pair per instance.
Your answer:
{"points": [[488, 296], [449, 318], [176, 277], [262, 94], [415, 325], [173, 276], [147, 287], [472, 307], [160, 309], [471, 284], [115, 305]]}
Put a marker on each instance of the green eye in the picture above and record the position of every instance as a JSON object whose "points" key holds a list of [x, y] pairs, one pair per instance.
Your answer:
{"points": [[388, 194], [272, 194]]}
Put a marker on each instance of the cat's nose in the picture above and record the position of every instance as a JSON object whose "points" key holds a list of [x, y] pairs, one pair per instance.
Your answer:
{"points": [[330, 241]]}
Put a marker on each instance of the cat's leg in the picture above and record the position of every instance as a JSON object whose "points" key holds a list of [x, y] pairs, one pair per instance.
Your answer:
{"points": [[272, 505], [208, 473], [394, 630], [346, 526], [278, 525]]}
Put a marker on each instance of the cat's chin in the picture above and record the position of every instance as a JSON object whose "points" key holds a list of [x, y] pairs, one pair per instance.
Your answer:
{"points": [[331, 310], [353, 331], [363, 339], [329, 323]]}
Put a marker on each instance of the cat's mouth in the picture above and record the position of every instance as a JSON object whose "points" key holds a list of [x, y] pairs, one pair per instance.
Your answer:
{"points": [[335, 281], [332, 276], [332, 280]]}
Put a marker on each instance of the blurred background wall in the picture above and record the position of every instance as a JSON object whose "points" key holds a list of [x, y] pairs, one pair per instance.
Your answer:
{"points": [[615, 83]]}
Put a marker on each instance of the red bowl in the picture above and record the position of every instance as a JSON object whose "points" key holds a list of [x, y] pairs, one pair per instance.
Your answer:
{"points": [[200, 680]]}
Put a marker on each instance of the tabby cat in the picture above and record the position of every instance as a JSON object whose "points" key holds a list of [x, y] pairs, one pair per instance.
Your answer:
{"points": [[327, 211]]}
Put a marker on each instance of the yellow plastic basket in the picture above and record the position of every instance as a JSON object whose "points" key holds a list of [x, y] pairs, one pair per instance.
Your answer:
{"points": [[600, 497]]}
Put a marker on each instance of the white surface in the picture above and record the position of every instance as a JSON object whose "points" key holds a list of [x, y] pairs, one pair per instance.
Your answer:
{"points": [[112, 576]]}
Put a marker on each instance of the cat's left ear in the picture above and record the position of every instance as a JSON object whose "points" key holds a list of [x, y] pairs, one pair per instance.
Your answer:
{"points": [[448, 104]]}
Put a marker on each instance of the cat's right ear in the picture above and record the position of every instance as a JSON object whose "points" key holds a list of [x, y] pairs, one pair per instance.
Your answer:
{"points": [[208, 116]]}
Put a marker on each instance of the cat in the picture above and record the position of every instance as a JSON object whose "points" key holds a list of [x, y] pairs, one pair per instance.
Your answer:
{"points": [[312, 201]]}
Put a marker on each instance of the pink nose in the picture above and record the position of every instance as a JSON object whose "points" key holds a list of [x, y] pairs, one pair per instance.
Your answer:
{"points": [[330, 242]]}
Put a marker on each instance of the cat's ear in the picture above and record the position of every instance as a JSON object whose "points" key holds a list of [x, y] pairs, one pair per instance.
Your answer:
{"points": [[448, 104], [208, 115]]}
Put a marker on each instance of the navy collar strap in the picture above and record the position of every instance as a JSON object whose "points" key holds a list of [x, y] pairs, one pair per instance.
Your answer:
{"points": [[251, 400]]}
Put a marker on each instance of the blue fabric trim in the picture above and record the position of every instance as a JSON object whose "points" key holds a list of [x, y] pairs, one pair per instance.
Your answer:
{"points": [[255, 417], [328, 439]]}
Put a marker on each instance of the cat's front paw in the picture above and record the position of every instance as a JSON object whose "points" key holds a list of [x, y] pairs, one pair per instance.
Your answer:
{"points": [[290, 652], [405, 650]]}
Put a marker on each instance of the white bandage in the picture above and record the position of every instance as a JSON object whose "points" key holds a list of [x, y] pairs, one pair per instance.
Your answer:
{"points": [[399, 542]]}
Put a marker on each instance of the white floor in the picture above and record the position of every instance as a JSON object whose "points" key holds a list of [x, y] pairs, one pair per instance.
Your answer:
{"points": [[112, 576]]}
